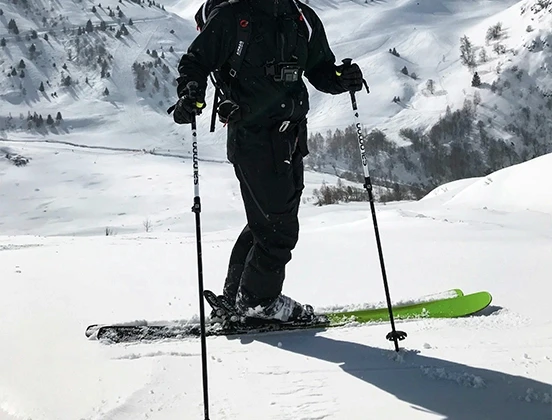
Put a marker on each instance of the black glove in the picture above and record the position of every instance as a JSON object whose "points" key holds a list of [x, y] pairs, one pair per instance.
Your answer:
{"points": [[190, 104], [229, 111], [349, 77]]}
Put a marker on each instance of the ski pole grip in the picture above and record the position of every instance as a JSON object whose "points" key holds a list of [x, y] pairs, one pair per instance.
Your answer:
{"points": [[346, 63]]}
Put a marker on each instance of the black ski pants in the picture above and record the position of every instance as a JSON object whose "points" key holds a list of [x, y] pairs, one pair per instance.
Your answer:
{"points": [[270, 171]]}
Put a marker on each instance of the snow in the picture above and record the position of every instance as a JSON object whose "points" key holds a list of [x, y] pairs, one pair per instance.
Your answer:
{"points": [[125, 170], [60, 273]]}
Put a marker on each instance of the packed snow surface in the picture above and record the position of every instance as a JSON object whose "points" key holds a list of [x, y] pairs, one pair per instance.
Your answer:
{"points": [[60, 272]]}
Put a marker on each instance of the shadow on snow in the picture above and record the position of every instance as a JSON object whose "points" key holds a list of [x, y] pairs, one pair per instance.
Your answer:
{"points": [[453, 390]]}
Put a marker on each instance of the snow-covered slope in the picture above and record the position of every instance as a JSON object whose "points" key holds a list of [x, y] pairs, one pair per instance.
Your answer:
{"points": [[425, 33], [518, 187], [128, 116], [493, 366]]}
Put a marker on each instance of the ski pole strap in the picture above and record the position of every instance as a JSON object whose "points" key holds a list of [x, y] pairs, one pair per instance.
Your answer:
{"points": [[216, 100]]}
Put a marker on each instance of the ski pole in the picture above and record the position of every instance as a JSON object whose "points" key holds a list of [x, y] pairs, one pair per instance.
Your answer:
{"points": [[197, 210], [394, 335]]}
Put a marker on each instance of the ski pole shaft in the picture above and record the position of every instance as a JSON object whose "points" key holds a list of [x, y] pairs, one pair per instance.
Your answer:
{"points": [[394, 335], [197, 210]]}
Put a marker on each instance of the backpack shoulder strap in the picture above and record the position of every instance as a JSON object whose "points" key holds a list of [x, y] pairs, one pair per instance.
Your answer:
{"points": [[303, 18], [243, 32], [243, 27], [205, 10]]}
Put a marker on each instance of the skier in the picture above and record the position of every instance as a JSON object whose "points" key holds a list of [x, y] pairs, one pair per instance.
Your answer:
{"points": [[260, 49]]}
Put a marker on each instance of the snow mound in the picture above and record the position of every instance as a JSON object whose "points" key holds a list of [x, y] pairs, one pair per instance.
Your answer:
{"points": [[525, 186]]}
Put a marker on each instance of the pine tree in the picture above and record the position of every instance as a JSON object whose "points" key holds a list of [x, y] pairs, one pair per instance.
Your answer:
{"points": [[476, 80], [41, 87], [3, 42], [58, 116], [404, 70], [106, 92], [483, 55], [12, 27], [32, 50], [430, 85], [49, 120], [467, 53], [21, 64], [89, 27], [476, 98]]}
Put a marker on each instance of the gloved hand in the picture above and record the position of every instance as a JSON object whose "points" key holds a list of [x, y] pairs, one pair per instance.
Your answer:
{"points": [[229, 111], [190, 104], [349, 77]]}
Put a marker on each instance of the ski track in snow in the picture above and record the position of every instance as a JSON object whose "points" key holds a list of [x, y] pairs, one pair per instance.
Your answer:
{"points": [[133, 356]]}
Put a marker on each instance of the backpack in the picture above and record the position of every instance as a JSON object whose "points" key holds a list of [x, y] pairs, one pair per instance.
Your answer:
{"points": [[235, 61]]}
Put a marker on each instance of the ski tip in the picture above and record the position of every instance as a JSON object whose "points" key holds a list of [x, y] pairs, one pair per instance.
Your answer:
{"points": [[458, 292], [209, 294], [91, 330]]}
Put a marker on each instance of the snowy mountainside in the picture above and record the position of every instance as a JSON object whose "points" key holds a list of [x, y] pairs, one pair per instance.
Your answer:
{"points": [[426, 35], [515, 67], [112, 84], [459, 114]]}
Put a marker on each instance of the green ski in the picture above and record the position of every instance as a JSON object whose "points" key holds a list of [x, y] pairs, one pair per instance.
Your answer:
{"points": [[454, 307]]}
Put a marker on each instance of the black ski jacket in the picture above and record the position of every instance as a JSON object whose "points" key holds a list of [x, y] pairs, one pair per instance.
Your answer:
{"points": [[279, 34]]}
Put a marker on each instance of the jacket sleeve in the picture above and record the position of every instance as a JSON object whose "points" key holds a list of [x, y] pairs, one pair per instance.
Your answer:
{"points": [[320, 69], [210, 49]]}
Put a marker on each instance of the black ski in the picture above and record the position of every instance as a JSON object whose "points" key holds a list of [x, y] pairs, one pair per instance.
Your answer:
{"points": [[230, 324], [134, 333]]}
